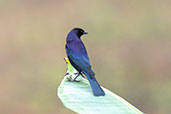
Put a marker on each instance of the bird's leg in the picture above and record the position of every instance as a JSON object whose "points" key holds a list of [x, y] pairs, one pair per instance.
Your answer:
{"points": [[82, 75], [76, 77], [77, 74], [74, 80]]}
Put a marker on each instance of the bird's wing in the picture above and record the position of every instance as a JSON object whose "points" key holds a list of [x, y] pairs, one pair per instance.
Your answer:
{"points": [[80, 58]]}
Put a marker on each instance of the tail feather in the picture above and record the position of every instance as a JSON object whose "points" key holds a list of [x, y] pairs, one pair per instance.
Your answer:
{"points": [[97, 90]]}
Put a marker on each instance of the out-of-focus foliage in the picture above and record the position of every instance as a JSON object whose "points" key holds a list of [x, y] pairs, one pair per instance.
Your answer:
{"points": [[128, 39]]}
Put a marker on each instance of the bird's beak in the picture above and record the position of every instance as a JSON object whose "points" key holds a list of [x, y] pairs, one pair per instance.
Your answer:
{"points": [[85, 33]]}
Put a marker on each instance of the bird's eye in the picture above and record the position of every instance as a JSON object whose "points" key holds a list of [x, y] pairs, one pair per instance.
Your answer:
{"points": [[82, 31]]}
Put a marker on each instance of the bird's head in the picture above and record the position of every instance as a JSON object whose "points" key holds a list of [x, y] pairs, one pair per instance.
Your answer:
{"points": [[79, 32]]}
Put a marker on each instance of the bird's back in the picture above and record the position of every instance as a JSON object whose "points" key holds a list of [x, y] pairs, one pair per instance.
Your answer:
{"points": [[77, 53]]}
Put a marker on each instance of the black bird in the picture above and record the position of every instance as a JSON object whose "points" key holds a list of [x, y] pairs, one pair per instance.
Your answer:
{"points": [[79, 59]]}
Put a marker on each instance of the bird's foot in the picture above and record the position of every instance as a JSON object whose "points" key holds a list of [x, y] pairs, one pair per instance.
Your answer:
{"points": [[66, 74], [74, 79]]}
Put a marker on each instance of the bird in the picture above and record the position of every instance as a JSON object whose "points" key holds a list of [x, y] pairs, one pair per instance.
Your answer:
{"points": [[78, 57]]}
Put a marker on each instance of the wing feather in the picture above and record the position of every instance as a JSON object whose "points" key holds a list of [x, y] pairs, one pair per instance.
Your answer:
{"points": [[79, 57]]}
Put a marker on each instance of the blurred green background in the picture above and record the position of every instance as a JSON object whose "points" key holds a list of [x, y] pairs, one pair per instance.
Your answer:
{"points": [[128, 43]]}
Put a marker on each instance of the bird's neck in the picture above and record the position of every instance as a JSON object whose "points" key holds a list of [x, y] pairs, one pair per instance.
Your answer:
{"points": [[72, 37]]}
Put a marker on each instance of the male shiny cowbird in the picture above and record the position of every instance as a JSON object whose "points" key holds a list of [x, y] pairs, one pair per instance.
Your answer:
{"points": [[79, 59]]}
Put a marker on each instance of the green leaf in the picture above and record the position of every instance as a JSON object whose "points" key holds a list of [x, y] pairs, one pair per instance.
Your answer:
{"points": [[78, 97]]}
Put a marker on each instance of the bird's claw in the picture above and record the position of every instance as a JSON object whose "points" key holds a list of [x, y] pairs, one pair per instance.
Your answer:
{"points": [[66, 74], [70, 77], [73, 80]]}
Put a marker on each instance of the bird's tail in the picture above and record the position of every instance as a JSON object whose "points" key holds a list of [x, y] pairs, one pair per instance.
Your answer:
{"points": [[97, 90]]}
